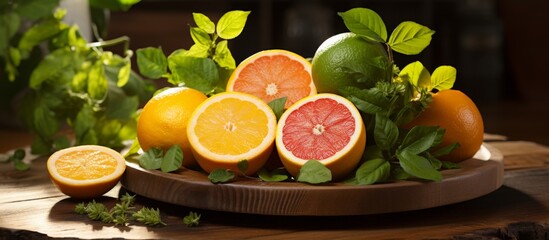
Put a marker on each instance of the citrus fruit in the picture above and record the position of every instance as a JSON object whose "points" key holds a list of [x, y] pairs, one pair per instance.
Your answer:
{"points": [[163, 121], [85, 171], [230, 127], [273, 74], [347, 59], [324, 127], [458, 114]]}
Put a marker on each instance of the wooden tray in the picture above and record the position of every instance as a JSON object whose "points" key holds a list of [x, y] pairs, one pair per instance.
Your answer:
{"points": [[476, 177]]}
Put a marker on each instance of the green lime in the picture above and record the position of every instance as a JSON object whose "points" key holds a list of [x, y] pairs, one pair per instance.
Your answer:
{"points": [[346, 59]]}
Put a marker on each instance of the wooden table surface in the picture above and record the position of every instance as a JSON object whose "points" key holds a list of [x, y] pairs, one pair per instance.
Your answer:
{"points": [[32, 208]]}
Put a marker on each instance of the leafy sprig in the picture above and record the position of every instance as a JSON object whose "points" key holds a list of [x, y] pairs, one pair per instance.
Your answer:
{"points": [[207, 64], [17, 158], [192, 219], [398, 153]]}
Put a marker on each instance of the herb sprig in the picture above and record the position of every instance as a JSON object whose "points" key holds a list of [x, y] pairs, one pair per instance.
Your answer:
{"points": [[398, 153]]}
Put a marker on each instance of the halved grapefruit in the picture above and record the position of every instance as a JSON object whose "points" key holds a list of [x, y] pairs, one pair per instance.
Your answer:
{"points": [[273, 74], [324, 127]]}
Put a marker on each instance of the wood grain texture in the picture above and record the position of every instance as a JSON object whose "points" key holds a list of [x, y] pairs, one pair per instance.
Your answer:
{"points": [[193, 189]]}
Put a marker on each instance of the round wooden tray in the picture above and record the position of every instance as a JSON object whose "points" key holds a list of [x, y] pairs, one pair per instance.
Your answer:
{"points": [[476, 177]]}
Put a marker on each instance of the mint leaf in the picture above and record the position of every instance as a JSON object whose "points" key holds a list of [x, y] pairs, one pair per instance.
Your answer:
{"points": [[197, 50], [44, 121], [450, 165], [419, 139], [53, 65], [365, 22], [220, 175], [151, 159], [445, 150], [410, 38], [39, 33], [443, 77], [385, 132], [124, 74], [200, 36], [231, 24], [197, 73], [373, 171], [418, 166], [83, 123], [277, 106], [172, 160], [417, 75], [152, 62], [276, 175], [204, 23], [97, 82], [223, 56], [399, 173], [314, 172], [243, 165]]}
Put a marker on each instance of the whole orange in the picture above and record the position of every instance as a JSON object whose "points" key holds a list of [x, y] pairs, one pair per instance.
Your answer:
{"points": [[458, 114], [163, 121]]}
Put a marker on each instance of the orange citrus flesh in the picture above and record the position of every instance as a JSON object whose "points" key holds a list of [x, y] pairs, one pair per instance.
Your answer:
{"points": [[274, 74], [86, 171], [326, 128], [458, 114], [230, 127], [163, 121]]}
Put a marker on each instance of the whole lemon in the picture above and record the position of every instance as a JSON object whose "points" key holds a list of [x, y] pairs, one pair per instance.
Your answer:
{"points": [[163, 121], [347, 59]]}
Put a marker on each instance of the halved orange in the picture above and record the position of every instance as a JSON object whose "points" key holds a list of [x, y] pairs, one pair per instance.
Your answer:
{"points": [[324, 127], [230, 127], [273, 74], [86, 171]]}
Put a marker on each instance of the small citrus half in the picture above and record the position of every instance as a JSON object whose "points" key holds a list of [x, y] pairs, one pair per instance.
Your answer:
{"points": [[163, 121], [230, 127], [273, 74], [324, 127], [85, 171]]}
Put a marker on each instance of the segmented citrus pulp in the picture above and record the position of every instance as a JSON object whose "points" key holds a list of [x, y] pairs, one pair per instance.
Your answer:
{"points": [[324, 127], [230, 127], [274, 74], [458, 114], [86, 171], [163, 121]]}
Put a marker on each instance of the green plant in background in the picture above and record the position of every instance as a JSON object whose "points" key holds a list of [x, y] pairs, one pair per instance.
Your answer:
{"points": [[66, 80], [207, 65]]}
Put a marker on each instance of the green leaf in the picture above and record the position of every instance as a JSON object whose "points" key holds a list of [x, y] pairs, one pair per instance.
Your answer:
{"points": [[223, 56], [134, 148], [417, 75], [385, 132], [231, 24], [243, 165], [152, 62], [61, 142], [197, 50], [191, 220], [277, 106], [172, 160], [418, 166], [276, 175], [370, 101], [399, 173], [20, 165], [204, 23], [97, 82], [445, 150], [443, 77], [314, 172], [220, 175], [200, 36], [373, 171], [450, 165], [45, 122], [40, 147], [410, 38], [53, 65], [36, 9], [419, 139], [9, 24], [124, 74], [38, 33], [365, 22], [120, 106], [197, 73], [151, 159], [84, 122]]}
